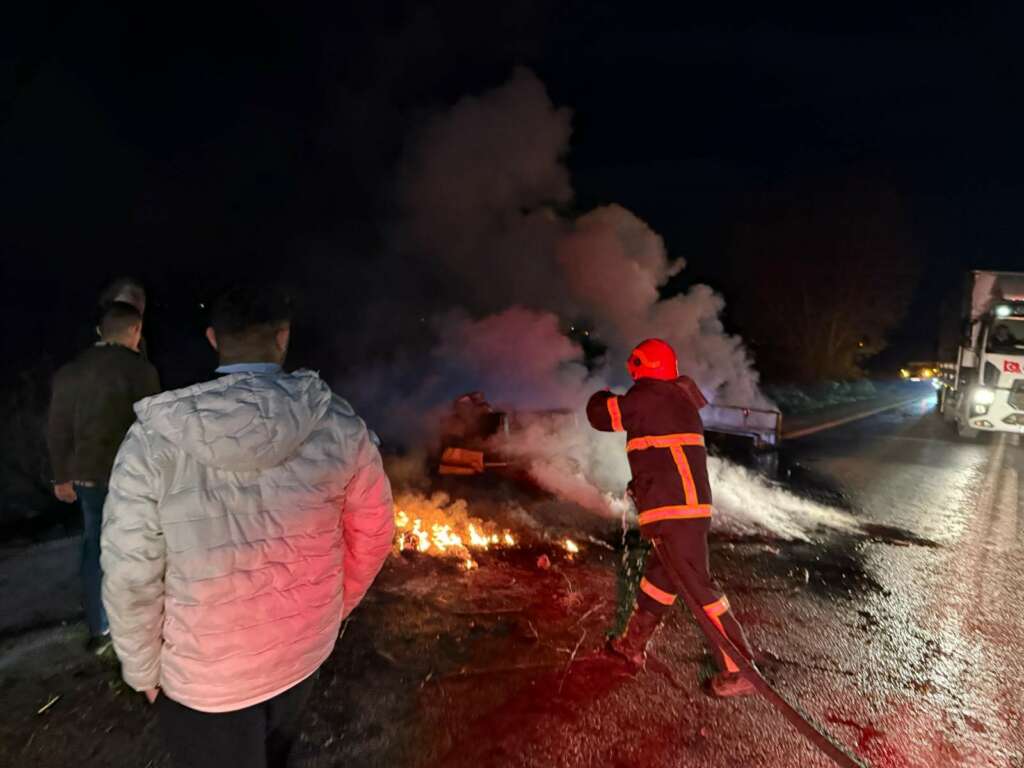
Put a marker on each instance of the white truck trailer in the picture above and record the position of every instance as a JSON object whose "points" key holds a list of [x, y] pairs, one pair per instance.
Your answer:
{"points": [[984, 391]]}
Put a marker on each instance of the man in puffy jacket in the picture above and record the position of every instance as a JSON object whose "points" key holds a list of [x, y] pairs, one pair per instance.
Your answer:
{"points": [[247, 517], [660, 416]]}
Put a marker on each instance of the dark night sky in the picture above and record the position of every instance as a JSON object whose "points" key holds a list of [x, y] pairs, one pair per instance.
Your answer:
{"points": [[189, 144]]}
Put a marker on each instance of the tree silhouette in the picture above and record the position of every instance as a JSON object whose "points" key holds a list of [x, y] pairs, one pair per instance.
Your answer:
{"points": [[820, 277]]}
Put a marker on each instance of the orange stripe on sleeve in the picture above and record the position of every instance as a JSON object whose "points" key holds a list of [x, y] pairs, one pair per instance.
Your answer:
{"points": [[615, 413]]}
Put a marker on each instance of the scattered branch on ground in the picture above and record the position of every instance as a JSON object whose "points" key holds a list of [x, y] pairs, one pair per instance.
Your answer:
{"points": [[48, 704], [572, 658]]}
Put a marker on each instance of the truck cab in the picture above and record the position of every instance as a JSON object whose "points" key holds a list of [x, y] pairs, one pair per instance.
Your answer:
{"points": [[985, 391]]}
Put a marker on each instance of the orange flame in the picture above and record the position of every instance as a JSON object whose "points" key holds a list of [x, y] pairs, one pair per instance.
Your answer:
{"points": [[441, 527]]}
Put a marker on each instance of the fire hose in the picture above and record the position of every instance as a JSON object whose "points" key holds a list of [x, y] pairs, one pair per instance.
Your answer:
{"points": [[814, 733]]}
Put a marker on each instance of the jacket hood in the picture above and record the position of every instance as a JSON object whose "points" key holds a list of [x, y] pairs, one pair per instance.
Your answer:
{"points": [[240, 422]]}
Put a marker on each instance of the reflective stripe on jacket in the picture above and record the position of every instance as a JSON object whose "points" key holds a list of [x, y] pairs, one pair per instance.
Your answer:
{"points": [[246, 517], [665, 444]]}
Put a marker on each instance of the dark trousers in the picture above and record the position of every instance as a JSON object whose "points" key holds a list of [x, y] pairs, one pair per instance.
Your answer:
{"points": [[260, 736], [685, 543], [90, 500]]}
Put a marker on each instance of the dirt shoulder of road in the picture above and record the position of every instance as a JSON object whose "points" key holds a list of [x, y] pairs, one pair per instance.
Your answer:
{"points": [[430, 649]]}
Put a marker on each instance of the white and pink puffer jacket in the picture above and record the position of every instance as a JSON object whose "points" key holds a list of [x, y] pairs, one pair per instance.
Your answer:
{"points": [[247, 516]]}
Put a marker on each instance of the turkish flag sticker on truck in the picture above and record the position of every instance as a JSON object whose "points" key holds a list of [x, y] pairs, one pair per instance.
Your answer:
{"points": [[1011, 366]]}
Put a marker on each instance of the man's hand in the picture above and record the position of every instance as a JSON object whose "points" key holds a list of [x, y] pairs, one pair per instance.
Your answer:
{"points": [[151, 694], [65, 492]]}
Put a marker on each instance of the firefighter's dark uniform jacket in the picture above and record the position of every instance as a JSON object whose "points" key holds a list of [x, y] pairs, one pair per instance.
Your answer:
{"points": [[665, 447]]}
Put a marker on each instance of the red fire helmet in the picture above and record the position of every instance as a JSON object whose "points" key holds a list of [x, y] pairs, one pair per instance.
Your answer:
{"points": [[653, 359]]}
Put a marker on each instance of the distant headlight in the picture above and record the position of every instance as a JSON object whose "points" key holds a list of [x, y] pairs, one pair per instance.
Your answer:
{"points": [[984, 396]]}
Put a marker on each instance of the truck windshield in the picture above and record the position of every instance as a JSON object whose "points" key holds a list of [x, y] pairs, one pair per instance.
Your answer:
{"points": [[1007, 337]]}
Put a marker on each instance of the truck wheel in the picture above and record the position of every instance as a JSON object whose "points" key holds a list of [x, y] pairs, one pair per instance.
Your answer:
{"points": [[967, 433]]}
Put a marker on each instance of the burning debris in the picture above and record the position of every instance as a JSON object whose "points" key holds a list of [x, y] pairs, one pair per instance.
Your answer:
{"points": [[439, 526], [442, 527]]}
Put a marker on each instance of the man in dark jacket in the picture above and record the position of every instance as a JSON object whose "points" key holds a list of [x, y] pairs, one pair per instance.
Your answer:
{"points": [[90, 413], [660, 416]]}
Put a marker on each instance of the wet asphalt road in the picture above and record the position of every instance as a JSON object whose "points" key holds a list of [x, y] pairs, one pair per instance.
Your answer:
{"points": [[934, 658], [904, 641]]}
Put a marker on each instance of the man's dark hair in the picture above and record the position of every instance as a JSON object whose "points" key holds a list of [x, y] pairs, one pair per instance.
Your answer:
{"points": [[246, 318], [118, 317]]}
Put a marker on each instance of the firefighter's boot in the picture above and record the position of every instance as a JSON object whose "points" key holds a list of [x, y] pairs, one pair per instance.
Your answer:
{"points": [[632, 644], [727, 684]]}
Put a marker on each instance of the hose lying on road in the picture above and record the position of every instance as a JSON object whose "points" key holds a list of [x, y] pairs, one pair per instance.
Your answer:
{"points": [[801, 721]]}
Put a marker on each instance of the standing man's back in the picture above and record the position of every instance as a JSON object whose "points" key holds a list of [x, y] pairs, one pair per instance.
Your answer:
{"points": [[247, 517], [90, 413], [92, 410]]}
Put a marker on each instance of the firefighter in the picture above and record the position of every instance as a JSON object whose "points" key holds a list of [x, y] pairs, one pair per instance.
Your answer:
{"points": [[670, 487]]}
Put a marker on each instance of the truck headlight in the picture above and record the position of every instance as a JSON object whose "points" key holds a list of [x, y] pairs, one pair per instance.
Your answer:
{"points": [[984, 396]]}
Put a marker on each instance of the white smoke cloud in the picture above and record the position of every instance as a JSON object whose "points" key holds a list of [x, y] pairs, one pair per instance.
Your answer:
{"points": [[519, 357], [614, 265], [567, 457], [475, 190], [479, 187]]}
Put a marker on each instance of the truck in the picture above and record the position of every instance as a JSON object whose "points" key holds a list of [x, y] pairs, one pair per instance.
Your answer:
{"points": [[984, 390]]}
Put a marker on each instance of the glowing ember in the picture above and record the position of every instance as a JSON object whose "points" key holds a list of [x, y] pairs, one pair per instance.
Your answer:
{"points": [[571, 547], [441, 527]]}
